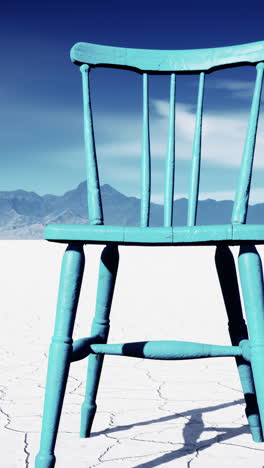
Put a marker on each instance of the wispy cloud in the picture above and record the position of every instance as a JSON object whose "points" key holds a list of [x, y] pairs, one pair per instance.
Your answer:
{"points": [[223, 135], [51, 141], [238, 88]]}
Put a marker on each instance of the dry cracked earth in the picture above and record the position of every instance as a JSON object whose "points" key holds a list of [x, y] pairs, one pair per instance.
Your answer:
{"points": [[150, 413]]}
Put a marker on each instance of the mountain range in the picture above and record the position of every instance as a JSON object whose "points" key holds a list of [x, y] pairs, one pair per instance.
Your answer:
{"points": [[23, 215]]}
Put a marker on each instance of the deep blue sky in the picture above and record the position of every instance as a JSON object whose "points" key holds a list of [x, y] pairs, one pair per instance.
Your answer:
{"points": [[41, 137]]}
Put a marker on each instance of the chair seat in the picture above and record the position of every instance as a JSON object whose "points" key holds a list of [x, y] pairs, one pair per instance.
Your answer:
{"points": [[100, 234]]}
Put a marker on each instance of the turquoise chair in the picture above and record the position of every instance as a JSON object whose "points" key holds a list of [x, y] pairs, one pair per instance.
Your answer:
{"points": [[248, 352]]}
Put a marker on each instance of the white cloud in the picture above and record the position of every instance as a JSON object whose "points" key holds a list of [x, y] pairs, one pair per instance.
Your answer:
{"points": [[238, 88], [222, 137], [185, 117]]}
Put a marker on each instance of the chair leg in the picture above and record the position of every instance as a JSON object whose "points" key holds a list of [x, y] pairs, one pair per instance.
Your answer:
{"points": [[100, 329], [251, 276], [60, 351], [226, 270]]}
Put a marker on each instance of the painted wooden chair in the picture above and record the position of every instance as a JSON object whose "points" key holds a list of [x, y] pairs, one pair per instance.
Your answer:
{"points": [[248, 352]]}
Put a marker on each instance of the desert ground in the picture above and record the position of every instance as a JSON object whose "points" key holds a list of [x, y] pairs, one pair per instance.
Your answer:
{"points": [[150, 413]]}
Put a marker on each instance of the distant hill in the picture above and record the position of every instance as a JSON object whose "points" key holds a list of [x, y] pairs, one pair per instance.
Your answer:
{"points": [[23, 215]]}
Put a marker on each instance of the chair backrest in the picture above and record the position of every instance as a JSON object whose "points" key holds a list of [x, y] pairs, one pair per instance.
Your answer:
{"points": [[147, 62]]}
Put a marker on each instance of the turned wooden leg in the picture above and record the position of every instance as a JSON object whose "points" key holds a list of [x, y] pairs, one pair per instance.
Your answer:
{"points": [[238, 332], [251, 276], [100, 329], [60, 351]]}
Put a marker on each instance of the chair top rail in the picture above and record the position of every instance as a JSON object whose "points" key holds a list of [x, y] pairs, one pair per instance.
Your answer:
{"points": [[160, 61]]}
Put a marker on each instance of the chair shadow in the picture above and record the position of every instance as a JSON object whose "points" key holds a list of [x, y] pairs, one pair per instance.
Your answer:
{"points": [[192, 430]]}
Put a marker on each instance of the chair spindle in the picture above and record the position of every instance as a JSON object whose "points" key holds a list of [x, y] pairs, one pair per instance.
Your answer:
{"points": [[196, 157], [170, 160], [243, 188], [145, 162], [95, 210]]}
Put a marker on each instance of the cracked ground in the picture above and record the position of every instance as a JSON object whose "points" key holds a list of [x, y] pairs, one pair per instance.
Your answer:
{"points": [[150, 413]]}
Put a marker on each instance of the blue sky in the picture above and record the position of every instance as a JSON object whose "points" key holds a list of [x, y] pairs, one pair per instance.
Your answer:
{"points": [[41, 137]]}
